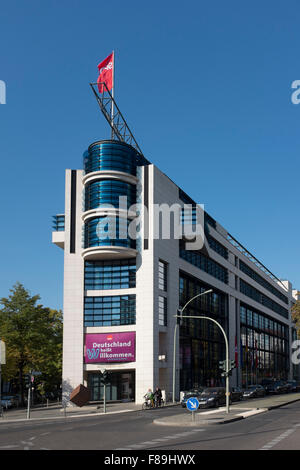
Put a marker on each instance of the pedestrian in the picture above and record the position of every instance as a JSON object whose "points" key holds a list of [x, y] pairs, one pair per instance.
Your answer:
{"points": [[158, 396]]}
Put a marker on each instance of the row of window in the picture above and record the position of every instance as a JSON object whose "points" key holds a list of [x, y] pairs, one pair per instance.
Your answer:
{"points": [[256, 295], [264, 346], [58, 223], [205, 264], [110, 311], [217, 246], [112, 274], [107, 231], [106, 193], [213, 303], [187, 200], [162, 275], [118, 310], [201, 341], [110, 156], [260, 280], [262, 323], [162, 311]]}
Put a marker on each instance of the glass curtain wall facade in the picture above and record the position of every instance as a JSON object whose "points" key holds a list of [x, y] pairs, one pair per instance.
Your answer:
{"points": [[112, 274], [264, 347], [106, 193], [110, 155], [202, 343], [107, 231]]}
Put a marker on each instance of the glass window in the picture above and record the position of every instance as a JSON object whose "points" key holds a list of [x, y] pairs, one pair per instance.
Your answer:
{"points": [[106, 192], [162, 275], [204, 263], [107, 311], [114, 274], [107, 231], [162, 311], [114, 156]]}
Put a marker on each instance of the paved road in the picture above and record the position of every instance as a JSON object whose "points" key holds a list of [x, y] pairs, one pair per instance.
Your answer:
{"points": [[276, 429]]}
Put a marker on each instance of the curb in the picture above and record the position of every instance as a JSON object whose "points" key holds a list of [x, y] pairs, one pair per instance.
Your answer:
{"points": [[274, 407], [196, 424], [69, 415]]}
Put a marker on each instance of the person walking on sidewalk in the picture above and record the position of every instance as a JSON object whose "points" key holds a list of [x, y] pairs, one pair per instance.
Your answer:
{"points": [[157, 396]]}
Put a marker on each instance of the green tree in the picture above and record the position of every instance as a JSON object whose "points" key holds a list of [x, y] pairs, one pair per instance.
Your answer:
{"points": [[296, 316], [33, 337]]}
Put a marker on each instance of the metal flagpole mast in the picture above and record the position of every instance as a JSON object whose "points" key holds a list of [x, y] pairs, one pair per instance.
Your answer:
{"points": [[112, 94]]}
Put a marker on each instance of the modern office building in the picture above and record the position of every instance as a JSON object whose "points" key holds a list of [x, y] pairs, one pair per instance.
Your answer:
{"points": [[121, 294]]}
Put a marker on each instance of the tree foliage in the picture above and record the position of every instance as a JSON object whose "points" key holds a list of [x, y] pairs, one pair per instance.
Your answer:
{"points": [[33, 337]]}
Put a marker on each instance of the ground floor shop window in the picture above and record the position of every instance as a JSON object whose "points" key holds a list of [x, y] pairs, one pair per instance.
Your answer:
{"points": [[121, 386]]}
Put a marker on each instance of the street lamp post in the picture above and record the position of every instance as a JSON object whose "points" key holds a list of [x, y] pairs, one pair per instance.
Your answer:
{"points": [[226, 345], [175, 334]]}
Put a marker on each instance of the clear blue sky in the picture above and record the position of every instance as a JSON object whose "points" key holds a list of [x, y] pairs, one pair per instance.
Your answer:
{"points": [[206, 89]]}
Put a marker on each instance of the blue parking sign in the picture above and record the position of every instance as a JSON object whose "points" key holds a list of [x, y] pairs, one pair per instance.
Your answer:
{"points": [[192, 404]]}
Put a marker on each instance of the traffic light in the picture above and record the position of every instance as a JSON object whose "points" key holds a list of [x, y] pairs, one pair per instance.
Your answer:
{"points": [[105, 376], [231, 366], [27, 378]]}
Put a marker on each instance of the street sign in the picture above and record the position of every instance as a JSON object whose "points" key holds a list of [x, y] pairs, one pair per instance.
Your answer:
{"points": [[192, 404]]}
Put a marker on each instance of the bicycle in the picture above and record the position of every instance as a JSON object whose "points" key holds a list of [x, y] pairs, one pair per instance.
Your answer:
{"points": [[147, 405], [159, 404]]}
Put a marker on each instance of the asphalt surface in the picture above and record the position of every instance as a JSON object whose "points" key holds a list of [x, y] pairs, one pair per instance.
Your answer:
{"points": [[135, 430]]}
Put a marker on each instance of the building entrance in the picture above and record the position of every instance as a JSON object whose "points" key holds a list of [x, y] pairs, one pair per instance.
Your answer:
{"points": [[121, 386]]}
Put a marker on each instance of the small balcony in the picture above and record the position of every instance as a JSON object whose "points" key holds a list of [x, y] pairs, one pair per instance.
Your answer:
{"points": [[58, 233]]}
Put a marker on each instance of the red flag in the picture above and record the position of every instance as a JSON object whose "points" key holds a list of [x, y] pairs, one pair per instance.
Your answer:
{"points": [[106, 73]]}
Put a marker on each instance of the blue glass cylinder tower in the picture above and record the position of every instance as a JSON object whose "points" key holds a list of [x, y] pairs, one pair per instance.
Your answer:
{"points": [[109, 174]]}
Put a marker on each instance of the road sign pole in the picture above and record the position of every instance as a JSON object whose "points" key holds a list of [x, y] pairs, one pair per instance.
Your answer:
{"points": [[28, 403]]}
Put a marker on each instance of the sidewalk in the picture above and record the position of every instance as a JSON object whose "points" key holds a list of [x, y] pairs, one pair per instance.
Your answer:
{"points": [[238, 411], [58, 412]]}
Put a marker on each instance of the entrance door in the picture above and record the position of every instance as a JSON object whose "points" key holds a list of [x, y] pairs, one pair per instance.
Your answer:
{"points": [[121, 386]]}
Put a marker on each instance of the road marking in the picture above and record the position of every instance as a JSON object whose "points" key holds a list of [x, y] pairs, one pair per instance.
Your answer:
{"points": [[160, 440], [252, 412], [278, 439], [8, 447]]}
